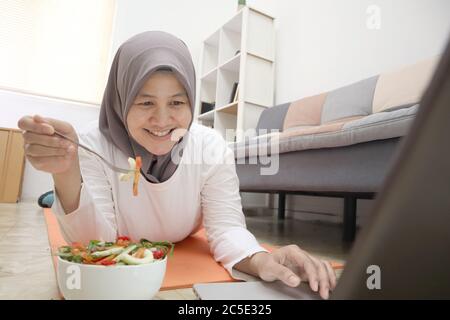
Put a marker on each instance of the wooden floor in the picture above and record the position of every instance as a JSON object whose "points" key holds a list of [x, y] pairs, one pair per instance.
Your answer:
{"points": [[26, 270]]}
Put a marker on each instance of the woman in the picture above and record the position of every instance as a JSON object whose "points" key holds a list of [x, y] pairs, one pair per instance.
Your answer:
{"points": [[147, 111]]}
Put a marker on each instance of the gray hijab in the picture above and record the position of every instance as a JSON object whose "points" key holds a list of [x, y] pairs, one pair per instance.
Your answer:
{"points": [[134, 62]]}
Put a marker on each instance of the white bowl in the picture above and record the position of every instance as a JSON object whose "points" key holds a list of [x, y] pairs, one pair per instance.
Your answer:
{"points": [[94, 282]]}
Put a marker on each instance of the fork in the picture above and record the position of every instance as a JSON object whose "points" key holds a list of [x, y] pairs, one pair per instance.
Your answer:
{"points": [[110, 165]]}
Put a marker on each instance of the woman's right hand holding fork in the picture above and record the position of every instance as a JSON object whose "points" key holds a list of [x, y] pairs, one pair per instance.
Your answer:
{"points": [[50, 153]]}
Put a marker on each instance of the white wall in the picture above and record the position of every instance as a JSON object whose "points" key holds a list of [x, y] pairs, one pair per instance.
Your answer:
{"points": [[324, 44], [191, 21]]}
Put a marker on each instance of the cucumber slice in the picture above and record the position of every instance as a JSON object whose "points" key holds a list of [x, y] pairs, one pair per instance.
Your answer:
{"points": [[105, 253], [148, 258], [125, 252]]}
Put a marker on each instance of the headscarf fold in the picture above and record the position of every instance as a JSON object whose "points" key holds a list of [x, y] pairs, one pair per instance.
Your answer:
{"points": [[135, 60]]}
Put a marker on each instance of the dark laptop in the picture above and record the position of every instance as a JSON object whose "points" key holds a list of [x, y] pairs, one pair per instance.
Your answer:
{"points": [[404, 252], [408, 236]]}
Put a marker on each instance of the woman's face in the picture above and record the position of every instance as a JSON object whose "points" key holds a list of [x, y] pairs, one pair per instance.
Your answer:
{"points": [[160, 107]]}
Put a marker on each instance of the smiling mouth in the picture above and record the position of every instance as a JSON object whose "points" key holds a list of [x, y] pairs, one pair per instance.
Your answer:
{"points": [[159, 134]]}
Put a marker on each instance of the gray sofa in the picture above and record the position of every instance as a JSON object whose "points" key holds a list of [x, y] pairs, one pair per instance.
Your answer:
{"points": [[338, 143]]}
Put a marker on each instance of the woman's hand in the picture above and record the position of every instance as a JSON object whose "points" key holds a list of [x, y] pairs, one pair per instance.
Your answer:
{"points": [[292, 265], [55, 155], [45, 151]]}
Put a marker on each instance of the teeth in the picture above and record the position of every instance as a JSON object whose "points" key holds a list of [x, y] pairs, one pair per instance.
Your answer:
{"points": [[160, 133]]}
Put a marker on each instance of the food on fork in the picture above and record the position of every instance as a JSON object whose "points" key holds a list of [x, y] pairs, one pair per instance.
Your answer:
{"points": [[135, 169]]}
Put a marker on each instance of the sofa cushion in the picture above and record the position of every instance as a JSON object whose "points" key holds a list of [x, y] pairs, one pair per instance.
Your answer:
{"points": [[380, 107], [273, 118], [327, 127], [349, 101], [384, 125], [382, 117], [305, 112], [404, 86]]}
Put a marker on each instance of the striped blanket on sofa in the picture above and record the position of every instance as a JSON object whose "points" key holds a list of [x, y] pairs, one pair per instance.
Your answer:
{"points": [[380, 107]]}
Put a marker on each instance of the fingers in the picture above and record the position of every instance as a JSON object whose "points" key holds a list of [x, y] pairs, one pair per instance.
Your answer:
{"points": [[319, 273], [311, 273], [55, 124], [36, 150], [331, 274], [44, 140], [41, 125], [309, 268], [315, 270], [285, 274], [44, 150], [324, 281], [41, 145], [28, 123]]}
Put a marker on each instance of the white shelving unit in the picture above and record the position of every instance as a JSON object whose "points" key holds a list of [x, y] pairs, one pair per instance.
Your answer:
{"points": [[242, 51]]}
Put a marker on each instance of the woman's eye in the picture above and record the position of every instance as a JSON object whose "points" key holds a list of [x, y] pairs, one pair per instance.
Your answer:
{"points": [[146, 103], [177, 103]]}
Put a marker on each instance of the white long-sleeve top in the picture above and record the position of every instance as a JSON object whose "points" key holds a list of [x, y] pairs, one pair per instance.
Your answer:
{"points": [[203, 191]]}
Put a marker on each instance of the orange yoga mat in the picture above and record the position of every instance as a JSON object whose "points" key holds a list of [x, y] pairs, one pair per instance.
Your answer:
{"points": [[190, 263]]}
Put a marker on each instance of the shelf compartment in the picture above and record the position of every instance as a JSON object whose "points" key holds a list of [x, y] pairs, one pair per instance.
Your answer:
{"points": [[211, 76], [259, 81], [230, 57], [225, 83], [211, 53], [206, 122], [262, 43], [207, 116], [208, 87], [235, 23], [232, 64], [230, 39], [229, 108], [225, 123]]}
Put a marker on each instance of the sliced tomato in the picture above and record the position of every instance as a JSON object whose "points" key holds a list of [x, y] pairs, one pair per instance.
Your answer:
{"points": [[107, 262], [158, 254], [122, 243]]}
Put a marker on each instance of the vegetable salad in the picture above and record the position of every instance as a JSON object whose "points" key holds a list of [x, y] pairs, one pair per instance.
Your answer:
{"points": [[121, 252]]}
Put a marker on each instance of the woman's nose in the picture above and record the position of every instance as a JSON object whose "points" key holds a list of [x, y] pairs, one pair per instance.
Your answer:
{"points": [[160, 117]]}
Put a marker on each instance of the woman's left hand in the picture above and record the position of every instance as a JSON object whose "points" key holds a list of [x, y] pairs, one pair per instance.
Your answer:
{"points": [[292, 265]]}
